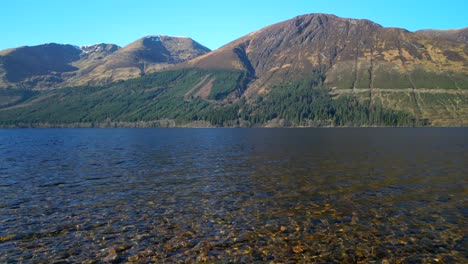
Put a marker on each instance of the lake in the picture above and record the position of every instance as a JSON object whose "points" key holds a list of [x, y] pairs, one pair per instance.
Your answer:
{"points": [[234, 195]]}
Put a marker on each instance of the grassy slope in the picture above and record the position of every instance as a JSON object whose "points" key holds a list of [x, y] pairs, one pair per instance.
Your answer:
{"points": [[442, 109]]}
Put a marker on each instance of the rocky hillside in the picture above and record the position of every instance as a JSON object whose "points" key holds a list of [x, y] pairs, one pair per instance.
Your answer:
{"points": [[347, 53], [55, 65], [146, 55]]}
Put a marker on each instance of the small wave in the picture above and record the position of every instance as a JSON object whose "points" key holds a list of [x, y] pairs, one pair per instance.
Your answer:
{"points": [[55, 184]]}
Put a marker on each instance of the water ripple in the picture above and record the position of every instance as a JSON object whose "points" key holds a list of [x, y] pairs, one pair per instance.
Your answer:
{"points": [[233, 195]]}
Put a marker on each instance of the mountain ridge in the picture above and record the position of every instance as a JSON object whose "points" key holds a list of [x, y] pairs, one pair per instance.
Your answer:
{"points": [[315, 69], [460, 34], [288, 47], [55, 65]]}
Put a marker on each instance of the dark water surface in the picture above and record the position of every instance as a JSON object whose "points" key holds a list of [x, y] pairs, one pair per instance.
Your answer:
{"points": [[239, 195]]}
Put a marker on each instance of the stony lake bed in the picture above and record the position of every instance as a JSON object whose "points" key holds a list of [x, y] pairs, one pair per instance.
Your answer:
{"points": [[380, 195]]}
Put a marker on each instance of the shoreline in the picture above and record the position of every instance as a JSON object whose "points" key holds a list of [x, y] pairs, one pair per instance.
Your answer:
{"points": [[117, 125]]}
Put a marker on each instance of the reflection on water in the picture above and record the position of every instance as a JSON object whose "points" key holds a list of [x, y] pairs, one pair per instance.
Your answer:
{"points": [[240, 195]]}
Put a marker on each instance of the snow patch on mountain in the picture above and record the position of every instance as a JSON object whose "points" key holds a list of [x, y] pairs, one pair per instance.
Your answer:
{"points": [[159, 38], [156, 38], [91, 48]]}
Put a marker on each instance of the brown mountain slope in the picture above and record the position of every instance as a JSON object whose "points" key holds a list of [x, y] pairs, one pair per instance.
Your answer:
{"points": [[55, 65], [143, 56], [452, 34], [94, 54], [348, 53]]}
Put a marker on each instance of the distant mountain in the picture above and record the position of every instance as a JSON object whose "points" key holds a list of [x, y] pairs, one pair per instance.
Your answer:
{"points": [[312, 70], [146, 55], [452, 34], [346, 53], [38, 66], [55, 65]]}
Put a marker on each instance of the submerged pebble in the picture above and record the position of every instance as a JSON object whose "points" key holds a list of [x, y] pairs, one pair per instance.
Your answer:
{"points": [[220, 198]]}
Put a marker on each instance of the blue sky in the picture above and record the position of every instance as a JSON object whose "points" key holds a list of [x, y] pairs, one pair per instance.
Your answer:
{"points": [[210, 22]]}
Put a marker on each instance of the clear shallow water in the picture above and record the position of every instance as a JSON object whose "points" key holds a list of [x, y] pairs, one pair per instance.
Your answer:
{"points": [[239, 195]]}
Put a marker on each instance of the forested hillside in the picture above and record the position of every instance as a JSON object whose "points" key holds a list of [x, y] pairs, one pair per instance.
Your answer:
{"points": [[182, 97]]}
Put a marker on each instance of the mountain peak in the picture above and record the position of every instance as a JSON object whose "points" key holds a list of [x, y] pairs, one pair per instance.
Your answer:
{"points": [[164, 37], [155, 38], [54, 65], [323, 18], [347, 53], [145, 55], [100, 47]]}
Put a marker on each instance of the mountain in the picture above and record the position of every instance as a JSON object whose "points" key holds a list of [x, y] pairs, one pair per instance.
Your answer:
{"points": [[39, 66], [146, 55], [417, 72], [347, 53], [55, 65], [312, 70], [452, 34]]}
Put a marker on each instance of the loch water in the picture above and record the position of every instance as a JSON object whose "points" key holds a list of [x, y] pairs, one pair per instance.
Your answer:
{"points": [[349, 195]]}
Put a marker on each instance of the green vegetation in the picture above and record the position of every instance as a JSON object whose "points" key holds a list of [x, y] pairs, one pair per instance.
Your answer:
{"points": [[387, 77], [162, 96], [445, 109], [301, 104], [424, 79], [225, 83], [10, 97], [152, 97]]}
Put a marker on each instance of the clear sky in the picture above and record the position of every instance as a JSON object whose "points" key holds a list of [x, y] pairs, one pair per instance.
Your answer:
{"points": [[213, 23]]}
